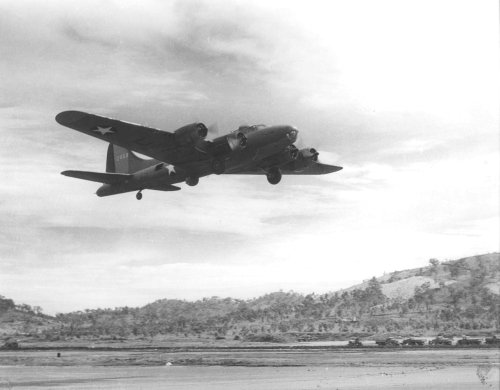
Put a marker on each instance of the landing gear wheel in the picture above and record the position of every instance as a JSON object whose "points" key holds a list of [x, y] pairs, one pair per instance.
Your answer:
{"points": [[218, 166], [274, 176], [138, 196], [192, 181]]}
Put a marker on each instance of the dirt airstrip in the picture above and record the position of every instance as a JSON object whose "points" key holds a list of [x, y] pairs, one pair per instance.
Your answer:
{"points": [[251, 368]]}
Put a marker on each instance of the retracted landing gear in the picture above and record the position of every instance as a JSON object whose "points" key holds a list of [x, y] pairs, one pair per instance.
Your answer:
{"points": [[274, 176], [138, 196]]}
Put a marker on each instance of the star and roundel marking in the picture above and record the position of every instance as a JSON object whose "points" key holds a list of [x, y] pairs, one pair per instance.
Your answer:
{"points": [[170, 169], [104, 130]]}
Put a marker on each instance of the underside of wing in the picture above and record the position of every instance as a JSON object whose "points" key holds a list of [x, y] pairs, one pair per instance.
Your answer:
{"points": [[314, 169], [164, 187], [106, 178], [145, 140]]}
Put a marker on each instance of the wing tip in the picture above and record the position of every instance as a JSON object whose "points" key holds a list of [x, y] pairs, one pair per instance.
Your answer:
{"points": [[325, 169], [68, 117], [71, 173]]}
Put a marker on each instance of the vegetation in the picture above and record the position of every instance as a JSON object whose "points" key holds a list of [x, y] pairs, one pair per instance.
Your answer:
{"points": [[456, 297]]}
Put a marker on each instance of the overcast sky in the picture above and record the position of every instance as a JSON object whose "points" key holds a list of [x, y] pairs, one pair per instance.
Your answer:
{"points": [[403, 94]]}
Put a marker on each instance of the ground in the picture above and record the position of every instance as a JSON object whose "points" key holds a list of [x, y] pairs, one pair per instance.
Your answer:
{"points": [[252, 368]]}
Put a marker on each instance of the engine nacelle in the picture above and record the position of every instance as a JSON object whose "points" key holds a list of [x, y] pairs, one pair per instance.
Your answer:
{"points": [[305, 158], [190, 134], [237, 140], [288, 155]]}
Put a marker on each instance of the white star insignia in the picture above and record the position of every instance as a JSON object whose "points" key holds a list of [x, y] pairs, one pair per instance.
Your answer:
{"points": [[171, 169], [104, 130]]}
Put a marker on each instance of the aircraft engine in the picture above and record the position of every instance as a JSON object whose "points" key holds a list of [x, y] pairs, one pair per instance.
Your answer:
{"points": [[305, 158], [288, 155], [190, 134], [291, 153], [237, 141]]}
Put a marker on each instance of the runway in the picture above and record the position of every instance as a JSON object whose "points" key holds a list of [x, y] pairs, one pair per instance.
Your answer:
{"points": [[275, 378], [269, 369]]}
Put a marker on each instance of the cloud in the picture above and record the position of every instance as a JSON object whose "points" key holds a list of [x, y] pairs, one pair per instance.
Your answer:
{"points": [[414, 145], [410, 113]]}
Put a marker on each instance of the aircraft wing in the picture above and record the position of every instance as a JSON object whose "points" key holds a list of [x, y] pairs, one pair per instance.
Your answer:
{"points": [[314, 169], [164, 187], [152, 142]]}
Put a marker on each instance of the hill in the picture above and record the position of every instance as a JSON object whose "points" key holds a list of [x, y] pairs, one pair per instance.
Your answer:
{"points": [[22, 319], [453, 297]]}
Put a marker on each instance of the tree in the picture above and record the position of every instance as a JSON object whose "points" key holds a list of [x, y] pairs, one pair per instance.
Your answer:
{"points": [[38, 310], [25, 308], [434, 262], [373, 293], [6, 304]]}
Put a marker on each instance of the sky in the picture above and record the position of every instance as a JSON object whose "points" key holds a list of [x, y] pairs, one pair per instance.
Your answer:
{"points": [[403, 94]]}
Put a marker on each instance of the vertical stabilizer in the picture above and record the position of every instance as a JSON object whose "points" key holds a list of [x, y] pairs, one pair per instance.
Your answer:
{"points": [[110, 160], [121, 160]]}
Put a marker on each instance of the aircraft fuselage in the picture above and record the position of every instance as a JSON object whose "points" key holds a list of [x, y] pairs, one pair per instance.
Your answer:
{"points": [[258, 144]]}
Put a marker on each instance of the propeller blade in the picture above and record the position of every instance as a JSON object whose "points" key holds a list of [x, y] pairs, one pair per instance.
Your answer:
{"points": [[327, 158], [299, 143], [326, 162]]}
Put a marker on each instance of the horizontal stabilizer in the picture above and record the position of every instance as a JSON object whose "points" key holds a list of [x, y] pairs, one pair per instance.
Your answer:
{"points": [[107, 178]]}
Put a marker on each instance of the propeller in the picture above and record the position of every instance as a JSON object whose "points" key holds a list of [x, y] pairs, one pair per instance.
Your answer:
{"points": [[327, 158], [326, 161], [320, 157], [299, 143]]}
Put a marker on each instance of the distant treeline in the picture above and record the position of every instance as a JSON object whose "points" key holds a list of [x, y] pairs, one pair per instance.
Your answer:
{"points": [[459, 300]]}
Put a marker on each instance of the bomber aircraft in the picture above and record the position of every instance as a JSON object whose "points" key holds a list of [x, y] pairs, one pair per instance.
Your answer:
{"points": [[185, 155]]}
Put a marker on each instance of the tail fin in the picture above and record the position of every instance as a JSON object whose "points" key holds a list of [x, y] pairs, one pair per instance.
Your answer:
{"points": [[121, 160], [110, 160]]}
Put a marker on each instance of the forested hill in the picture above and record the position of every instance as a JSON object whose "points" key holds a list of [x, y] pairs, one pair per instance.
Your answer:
{"points": [[457, 297]]}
